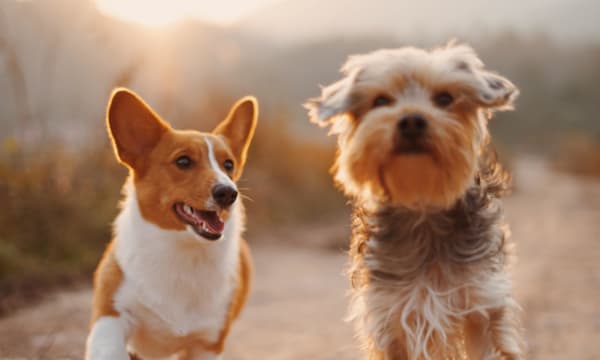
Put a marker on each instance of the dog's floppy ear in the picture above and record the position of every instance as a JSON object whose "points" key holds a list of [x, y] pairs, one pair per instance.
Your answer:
{"points": [[133, 127], [494, 91], [238, 127], [488, 90], [335, 100]]}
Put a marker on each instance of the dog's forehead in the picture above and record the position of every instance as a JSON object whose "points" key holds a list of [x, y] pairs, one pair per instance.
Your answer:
{"points": [[413, 62], [218, 144], [191, 137], [187, 141]]}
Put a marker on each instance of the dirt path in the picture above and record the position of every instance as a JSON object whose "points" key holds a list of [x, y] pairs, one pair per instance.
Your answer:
{"points": [[298, 302], [555, 221], [295, 312]]}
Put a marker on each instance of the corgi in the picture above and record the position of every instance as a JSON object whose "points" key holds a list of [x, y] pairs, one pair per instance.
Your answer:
{"points": [[177, 272]]}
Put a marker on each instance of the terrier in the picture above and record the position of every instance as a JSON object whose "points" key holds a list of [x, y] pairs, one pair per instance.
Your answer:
{"points": [[429, 245], [177, 272]]}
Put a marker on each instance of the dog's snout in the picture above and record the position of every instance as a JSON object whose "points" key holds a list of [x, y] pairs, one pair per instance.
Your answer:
{"points": [[224, 195], [412, 126]]}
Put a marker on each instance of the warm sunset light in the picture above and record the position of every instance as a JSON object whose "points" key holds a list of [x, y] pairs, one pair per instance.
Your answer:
{"points": [[164, 12]]}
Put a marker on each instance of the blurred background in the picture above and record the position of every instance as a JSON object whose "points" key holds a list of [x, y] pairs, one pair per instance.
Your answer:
{"points": [[59, 181]]}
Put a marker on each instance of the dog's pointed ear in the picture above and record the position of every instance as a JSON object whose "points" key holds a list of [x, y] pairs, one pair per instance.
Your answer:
{"points": [[239, 126], [335, 100], [133, 127]]}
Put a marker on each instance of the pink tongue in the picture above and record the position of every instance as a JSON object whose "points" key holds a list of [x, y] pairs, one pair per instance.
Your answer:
{"points": [[212, 221]]}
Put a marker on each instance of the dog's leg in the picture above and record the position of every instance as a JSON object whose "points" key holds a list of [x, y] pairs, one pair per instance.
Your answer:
{"points": [[376, 355], [478, 338], [373, 353], [200, 353], [506, 333], [496, 337], [394, 348], [393, 352], [108, 336], [107, 340]]}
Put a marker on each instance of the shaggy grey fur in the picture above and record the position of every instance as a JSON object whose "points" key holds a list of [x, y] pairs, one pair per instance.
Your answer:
{"points": [[394, 245]]}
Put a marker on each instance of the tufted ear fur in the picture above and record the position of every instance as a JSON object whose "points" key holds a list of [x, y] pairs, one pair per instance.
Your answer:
{"points": [[488, 90], [494, 91], [335, 100]]}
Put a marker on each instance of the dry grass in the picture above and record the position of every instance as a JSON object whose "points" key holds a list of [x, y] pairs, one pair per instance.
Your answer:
{"points": [[55, 216], [579, 154]]}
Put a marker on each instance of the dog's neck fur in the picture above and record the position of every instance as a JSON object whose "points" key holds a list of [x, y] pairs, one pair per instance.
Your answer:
{"points": [[423, 272], [135, 232], [168, 269], [397, 243]]}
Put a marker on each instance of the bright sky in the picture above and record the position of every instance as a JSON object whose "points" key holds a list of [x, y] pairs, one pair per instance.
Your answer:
{"points": [[163, 12]]}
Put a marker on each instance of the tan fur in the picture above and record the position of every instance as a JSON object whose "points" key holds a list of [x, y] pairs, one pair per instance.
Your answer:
{"points": [[139, 134], [239, 138], [107, 279], [149, 147]]}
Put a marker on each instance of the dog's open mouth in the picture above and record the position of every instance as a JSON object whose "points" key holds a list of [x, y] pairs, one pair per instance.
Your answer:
{"points": [[205, 223]]}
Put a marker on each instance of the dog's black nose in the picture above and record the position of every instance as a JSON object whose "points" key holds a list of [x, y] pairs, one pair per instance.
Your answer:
{"points": [[224, 195], [412, 126]]}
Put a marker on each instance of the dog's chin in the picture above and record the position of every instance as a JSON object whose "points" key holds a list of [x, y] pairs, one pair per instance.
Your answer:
{"points": [[205, 224], [413, 177], [400, 173]]}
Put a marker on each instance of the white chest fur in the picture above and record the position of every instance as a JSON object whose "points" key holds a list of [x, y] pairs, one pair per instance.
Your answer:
{"points": [[173, 280]]}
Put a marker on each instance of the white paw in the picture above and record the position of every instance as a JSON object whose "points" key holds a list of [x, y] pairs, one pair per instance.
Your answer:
{"points": [[107, 340], [107, 354], [202, 355]]}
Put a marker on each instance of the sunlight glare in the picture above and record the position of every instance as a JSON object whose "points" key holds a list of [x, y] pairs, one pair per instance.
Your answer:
{"points": [[164, 12]]}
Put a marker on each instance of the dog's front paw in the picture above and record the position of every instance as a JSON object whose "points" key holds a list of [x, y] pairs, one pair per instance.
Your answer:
{"points": [[107, 340], [108, 354]]}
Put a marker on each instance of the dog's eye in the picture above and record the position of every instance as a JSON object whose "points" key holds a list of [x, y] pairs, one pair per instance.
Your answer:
{"points": [[228, 165], [443, 99], [184, 162], [381, 100]]}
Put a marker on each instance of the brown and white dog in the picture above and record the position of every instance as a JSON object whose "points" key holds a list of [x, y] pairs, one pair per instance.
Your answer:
{"points": [[177, 273], [428, 251]]}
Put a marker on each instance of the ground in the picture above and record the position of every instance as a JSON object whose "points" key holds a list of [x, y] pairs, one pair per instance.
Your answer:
{"points": [[297, 306]]}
